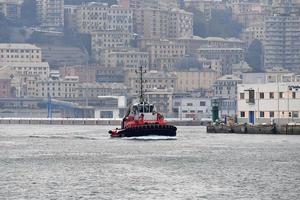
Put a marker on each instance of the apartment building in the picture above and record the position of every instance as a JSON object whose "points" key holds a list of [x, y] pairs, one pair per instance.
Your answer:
{"points": [[268, 103], [247, 12], [157, 4], [255, 31], [193, 43], [162, 99], [282, 42], [65, 88], [193, 79], [93, 90], [110, 75], [58, 56], [163, 53], [127, 60], [192, 107], [11, 9], [13, 52], [50, 13], [163, 23], [227, 55], [85, 73], [225, 93], [37, 69], [153, 80], [70, 16], [98, 17], [110, 39]]}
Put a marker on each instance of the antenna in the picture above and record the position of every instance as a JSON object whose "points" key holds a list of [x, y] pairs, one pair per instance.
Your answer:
{"points": [[141, 71]]}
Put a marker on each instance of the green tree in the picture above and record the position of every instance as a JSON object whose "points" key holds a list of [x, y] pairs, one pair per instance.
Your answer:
{"points": [[254, 56], [5, 31], [28, 13], [221, 24]]}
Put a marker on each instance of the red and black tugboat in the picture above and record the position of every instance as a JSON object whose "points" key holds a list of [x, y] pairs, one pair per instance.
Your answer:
{"points": [[141, 119]]}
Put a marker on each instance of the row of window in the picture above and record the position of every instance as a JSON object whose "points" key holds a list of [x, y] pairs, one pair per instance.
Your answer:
{"points": [[262, 114], [18, 51], [271, 95], [17, 56]]}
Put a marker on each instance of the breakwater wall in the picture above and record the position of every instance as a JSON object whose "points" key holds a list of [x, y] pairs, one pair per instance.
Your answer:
{"points": [[288, 129], [86, 121]]}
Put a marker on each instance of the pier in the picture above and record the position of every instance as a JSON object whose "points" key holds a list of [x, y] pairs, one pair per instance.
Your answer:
{"points": [[288, 129], [85, 121]]}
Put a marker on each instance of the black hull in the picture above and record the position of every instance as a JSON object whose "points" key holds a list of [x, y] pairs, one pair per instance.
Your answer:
{"points": [[146, 130]]}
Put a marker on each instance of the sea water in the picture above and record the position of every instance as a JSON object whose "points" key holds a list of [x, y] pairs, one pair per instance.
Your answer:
{"points": [[83, 162]]}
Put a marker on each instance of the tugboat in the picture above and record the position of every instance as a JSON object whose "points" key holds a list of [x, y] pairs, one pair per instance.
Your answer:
{"points": [[141, 119]]}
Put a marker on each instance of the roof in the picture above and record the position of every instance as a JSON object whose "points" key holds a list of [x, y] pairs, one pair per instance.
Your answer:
{"points": [[229, 77], [24, 64], [18, 46]]}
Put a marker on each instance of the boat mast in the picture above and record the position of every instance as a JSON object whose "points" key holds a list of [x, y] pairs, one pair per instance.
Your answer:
{"points": [[141, 71]]}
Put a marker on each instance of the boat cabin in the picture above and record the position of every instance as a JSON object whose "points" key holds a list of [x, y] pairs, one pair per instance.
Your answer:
{"points": [[143, 107]]}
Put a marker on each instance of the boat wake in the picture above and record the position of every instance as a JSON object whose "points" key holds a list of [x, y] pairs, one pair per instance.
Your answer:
{"points": [[150, 137], [62, 137]]}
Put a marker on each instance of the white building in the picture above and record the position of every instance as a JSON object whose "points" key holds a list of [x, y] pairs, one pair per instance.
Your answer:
{"points": [[15, 52], [225, 93], [98, 16], [162, 99], [111, 39], [40, 69], [129, 60], [58, 88], [192, 107], [50, 13], [270, 102]]}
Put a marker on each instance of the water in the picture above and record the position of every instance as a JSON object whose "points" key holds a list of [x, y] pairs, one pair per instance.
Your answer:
{"points": [[82, 162]]}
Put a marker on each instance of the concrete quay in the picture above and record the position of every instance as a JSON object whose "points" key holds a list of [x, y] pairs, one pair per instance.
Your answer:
{"points": [[84, 121], [288, 129]]}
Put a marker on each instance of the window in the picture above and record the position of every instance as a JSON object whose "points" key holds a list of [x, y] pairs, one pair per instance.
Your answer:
{"points": [[261, 95], [271, 114], [242, 114], [294, 95], [202, 103], [242, 96], [177, 103], [295, 114], [271, 95], [251, 96], [262, 114], [189, 104], [280, 95]]}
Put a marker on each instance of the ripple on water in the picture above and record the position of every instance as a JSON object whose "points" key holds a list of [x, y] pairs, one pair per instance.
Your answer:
{"points": [[82, 162]]}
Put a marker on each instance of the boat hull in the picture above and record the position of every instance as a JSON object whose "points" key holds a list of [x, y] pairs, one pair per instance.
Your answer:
{"points": [[145, 130]]}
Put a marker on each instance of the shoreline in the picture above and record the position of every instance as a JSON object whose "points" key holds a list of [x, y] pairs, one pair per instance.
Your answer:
{"points": [[85, 121]]}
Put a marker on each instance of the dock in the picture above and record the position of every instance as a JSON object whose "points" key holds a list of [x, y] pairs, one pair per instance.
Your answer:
{"points": [[288, 129], [85, 121]]}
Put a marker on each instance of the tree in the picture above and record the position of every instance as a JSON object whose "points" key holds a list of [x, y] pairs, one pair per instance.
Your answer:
{"points": [[28, 13], [254, 56], [4, 32], [221, 24]]}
